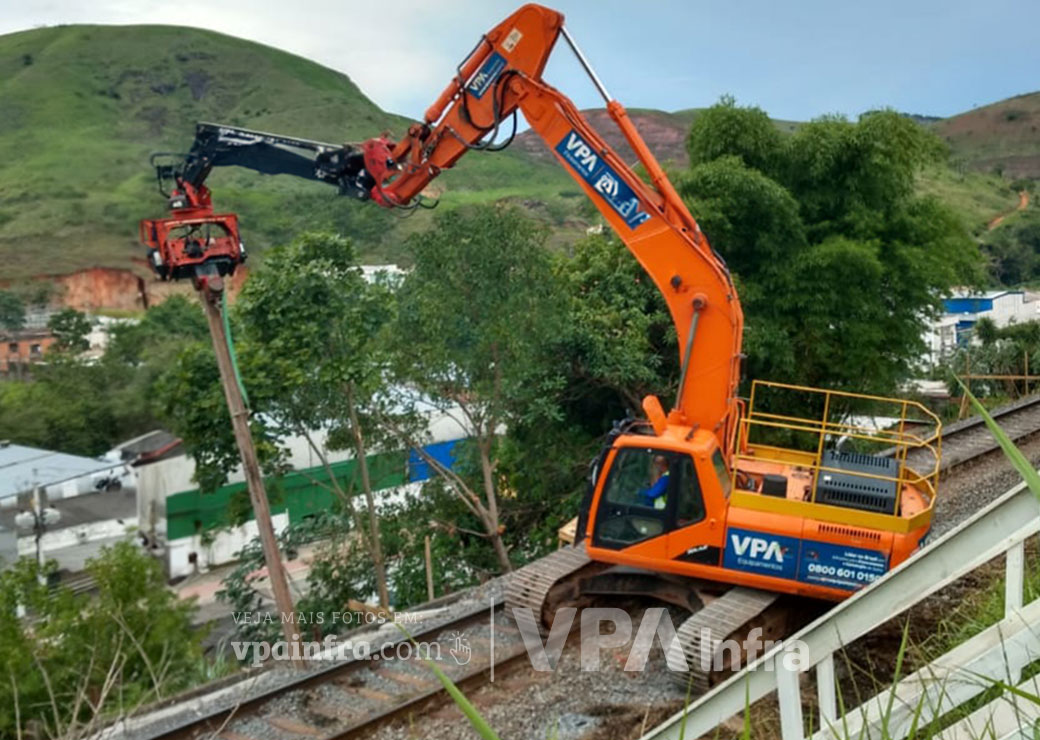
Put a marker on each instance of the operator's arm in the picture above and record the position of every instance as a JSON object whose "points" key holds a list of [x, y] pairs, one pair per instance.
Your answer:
{"points": [[650, 495]]}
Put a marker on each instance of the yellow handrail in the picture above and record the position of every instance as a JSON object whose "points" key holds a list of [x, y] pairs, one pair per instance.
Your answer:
{"points": [[903, 411]]}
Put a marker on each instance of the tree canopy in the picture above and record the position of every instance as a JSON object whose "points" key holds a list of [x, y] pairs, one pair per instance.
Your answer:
{"points": [[70, 329], [838, 260], [476, 319], [72, 661]]}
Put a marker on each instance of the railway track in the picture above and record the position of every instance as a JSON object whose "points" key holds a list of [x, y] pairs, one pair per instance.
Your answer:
{"points": [[350, 699], [970, 439]]}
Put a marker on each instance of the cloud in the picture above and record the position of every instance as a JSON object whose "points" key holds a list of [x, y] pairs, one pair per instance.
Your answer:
{"points": [[401, 54]]}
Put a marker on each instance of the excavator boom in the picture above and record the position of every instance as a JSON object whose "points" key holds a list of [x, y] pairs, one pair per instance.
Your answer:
{"points": [[501, 77]]}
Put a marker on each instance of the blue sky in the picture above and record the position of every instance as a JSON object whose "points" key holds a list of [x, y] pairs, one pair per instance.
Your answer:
{"points": [[796, 60]]}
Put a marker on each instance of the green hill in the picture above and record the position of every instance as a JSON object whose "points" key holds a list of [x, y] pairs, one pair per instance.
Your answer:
{"points": [[81, 108], [1003, 137]]}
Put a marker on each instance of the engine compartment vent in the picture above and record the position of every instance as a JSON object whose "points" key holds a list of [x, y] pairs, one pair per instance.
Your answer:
{"points": [[852, 488], [849, 532]]}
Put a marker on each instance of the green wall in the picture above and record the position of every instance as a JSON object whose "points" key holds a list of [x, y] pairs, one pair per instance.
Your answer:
{"points": [[300, 492]]}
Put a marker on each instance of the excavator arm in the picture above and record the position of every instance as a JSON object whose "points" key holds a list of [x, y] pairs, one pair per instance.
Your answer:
{"points": [[194, 241], [219, 145], [501, 77]]}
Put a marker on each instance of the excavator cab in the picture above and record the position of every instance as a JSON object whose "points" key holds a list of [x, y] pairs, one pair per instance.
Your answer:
{"points": [[653, 487]]}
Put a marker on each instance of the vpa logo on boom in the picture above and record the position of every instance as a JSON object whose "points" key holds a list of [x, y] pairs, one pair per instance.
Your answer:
{"points": [[488, 73], [581, 154], [757, 548], [602, 178]]}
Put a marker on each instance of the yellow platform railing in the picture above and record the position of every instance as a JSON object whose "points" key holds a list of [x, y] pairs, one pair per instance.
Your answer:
{"points": [[913, 428]]}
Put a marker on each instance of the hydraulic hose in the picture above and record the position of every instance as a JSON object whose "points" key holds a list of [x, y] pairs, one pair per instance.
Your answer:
{"points": [[231, 347]]}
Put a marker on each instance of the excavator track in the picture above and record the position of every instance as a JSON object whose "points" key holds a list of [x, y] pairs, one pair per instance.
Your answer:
{"points": [[554, 579], [691, 657], [529, 587]]}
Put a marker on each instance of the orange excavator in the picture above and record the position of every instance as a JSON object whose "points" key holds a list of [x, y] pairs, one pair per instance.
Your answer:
{"points": [[702, 497], [718, 504]]}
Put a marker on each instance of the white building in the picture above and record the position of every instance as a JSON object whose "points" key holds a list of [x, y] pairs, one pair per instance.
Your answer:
{"points": [[390, 273], [189, 529], [955, 327]]}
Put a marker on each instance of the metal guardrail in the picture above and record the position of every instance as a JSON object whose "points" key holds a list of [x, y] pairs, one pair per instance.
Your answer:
{"points": [[1002, 527]]}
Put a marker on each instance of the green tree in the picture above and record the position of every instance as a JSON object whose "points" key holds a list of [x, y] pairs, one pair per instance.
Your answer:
{"points": [[68, 662], [170, 324], [851, 178], [317, 320], [70, 329], [1009, 350], [140, 353], [726, 129], [86, 408], [306, 329], [618, 338], [341, 569], [191, 403], [68, 407], [838, 261], [476, 317], [12, 311]]}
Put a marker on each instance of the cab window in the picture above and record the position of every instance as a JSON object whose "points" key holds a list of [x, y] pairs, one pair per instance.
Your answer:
{"points": [[719, 463], [640, 477], [647, 493], [690, 506]]}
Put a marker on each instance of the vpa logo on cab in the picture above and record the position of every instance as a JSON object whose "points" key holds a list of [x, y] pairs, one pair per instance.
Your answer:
{"points": [[757, 548], [761, 552]]}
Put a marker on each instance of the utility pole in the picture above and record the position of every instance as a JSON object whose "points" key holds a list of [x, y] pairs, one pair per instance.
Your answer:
{"points": [[38, 518], [211, 288], [38, 529]]}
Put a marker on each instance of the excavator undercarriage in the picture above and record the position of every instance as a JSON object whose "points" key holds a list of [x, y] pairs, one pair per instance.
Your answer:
{"points": [[717, 612]]}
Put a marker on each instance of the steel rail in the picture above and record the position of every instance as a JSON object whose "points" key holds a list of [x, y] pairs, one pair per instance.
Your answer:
{"points": [[212, 720]]}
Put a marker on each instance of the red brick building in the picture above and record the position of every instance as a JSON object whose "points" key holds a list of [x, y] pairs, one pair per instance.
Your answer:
{"points": [[23, 348]]}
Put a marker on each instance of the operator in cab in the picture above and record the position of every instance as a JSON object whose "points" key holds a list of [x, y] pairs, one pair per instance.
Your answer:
{"points": [[655, 495]]}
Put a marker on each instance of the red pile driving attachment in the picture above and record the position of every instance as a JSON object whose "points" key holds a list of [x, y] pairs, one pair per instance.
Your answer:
{"points": [[180, 245]]}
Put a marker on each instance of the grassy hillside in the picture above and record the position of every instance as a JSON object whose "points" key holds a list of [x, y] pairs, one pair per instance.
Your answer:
{"points": [[1003, 137], [81, 108], [977, 196]]}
